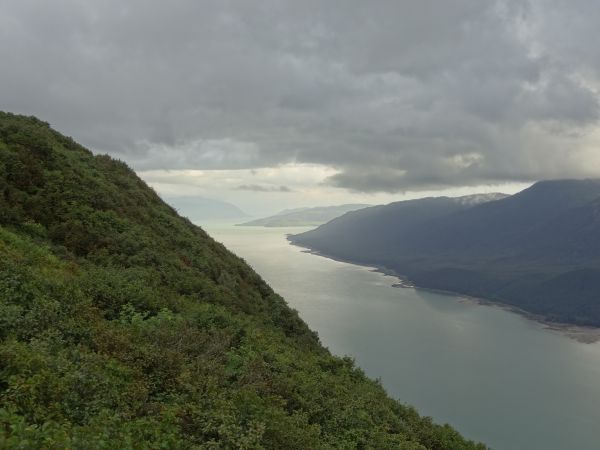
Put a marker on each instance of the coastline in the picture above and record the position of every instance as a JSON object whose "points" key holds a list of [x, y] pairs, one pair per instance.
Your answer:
{"points": [[580, 333]]}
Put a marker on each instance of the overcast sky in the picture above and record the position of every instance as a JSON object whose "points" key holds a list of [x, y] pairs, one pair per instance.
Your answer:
{"points": [[288, 103]]}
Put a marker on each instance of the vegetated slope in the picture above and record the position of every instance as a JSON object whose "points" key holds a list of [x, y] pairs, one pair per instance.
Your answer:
{"points": [[536, 250], [122, 325], [304, 216]]}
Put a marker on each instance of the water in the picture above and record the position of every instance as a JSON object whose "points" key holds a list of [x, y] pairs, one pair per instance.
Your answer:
{"points": [[494, 375]]}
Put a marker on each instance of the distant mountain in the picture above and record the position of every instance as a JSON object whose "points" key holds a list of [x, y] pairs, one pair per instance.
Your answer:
{"points": [[370, 234], [292, 210], [200, 209], [538, 250], [303, 216]]}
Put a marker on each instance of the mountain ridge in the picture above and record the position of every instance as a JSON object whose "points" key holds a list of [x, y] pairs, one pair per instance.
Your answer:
{"points": [[304, 216], [515, 250], [202, 209], [123, 325]]}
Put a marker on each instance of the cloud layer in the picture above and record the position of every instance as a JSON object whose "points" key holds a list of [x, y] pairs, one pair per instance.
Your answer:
{"points": [[391, 95]]}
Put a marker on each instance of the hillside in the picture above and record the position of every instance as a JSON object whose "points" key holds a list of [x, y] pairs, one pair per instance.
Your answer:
{"points": [[374, 234], [304, 216], [536, 250], [123, 325]]}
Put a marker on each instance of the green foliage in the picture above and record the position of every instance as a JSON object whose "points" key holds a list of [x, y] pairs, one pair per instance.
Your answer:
{"points": [[123, 325]]}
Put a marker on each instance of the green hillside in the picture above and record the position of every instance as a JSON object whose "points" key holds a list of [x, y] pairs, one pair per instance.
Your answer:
{"points": [[122, 325]]}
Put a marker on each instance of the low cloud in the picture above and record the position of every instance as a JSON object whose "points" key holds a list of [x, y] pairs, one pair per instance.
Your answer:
{"points": [[405, 95], [262, 188]]}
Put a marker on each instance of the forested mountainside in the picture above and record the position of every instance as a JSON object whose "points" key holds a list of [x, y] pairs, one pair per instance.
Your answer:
{"points": [[304, 216], [373, 233], [123, 325], [538, 250]]}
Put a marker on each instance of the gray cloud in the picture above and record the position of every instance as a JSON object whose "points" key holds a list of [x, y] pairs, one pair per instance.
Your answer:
{"points": [[396, 95], [261, 188]]}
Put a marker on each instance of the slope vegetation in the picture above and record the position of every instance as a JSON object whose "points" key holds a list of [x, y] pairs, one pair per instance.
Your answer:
{"points": [[122, 325]]}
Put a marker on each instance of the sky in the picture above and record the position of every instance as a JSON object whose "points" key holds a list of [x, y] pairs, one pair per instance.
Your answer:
{"points": [[277, 104]]}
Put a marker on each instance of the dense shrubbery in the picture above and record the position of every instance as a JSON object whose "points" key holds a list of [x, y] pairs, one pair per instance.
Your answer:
{"points": [[123, 325]]}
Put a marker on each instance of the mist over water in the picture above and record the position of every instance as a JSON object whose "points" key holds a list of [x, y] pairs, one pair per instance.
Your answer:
{"points": [[494, 375]]}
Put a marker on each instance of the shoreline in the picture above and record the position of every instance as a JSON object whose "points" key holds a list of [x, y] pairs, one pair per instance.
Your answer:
{"points": [[580, 333]]}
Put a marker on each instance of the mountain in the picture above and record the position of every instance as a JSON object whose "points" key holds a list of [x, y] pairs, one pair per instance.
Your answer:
{"points": [[371, 235], [536, 250], [203, 210], [123, 325], [303, 216]]}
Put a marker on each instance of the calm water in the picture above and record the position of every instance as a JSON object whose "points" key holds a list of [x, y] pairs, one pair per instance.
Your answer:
{"points": [[492, 374]]}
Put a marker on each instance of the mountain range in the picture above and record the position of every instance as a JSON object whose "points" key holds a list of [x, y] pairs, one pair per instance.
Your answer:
{"points": [[203, 210], [537, 250], [303, 216]]}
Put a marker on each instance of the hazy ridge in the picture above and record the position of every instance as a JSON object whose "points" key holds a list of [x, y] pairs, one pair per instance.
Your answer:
{"points": [[304, 216]]}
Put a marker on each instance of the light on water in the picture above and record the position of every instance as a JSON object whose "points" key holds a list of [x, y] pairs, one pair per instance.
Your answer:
{"points": [[494, 375]]}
